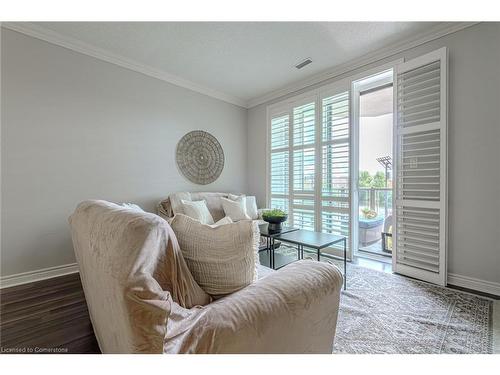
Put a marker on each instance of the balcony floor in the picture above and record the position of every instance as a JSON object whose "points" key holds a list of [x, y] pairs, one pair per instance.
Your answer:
{"points": [[374, 248]]}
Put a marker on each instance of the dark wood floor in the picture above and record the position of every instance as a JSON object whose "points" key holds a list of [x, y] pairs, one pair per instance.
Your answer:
{"points": [[46, 316], [51, 315]]}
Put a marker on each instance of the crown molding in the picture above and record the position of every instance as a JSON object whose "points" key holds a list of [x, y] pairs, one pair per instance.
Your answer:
{"points": [[434, 33], [76, 45]]}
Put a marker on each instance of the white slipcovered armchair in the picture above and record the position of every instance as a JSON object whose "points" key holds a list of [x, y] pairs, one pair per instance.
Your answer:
{"points": [[143, 299]]}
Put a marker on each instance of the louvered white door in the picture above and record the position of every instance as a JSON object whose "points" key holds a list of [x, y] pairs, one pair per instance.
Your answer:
{"points": [[420, 199]]}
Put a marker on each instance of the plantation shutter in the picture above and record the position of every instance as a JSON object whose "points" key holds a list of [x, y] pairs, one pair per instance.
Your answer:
{"points": [[303, 165], [419, 234], [335, 194], [279, 161]]}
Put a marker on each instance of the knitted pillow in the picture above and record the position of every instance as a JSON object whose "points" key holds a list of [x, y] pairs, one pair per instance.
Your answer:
{"points": [[222, 259]]}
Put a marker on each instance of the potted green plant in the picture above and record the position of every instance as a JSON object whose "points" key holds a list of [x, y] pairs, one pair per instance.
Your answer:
{"points": [[275, 218]]}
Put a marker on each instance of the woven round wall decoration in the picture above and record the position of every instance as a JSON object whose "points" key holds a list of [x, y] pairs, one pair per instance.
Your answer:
{"points": [[200, 157]]}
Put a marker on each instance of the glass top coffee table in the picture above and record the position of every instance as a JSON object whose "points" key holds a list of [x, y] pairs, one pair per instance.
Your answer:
{"points": [[304, 238]]}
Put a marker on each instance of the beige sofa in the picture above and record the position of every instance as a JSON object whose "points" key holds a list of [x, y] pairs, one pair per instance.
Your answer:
{"points": [[172, 205], [143, 299], [168, 207]]}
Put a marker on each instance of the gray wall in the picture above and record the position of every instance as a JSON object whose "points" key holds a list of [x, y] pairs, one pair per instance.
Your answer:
{"points": [[74, 128], [474, 148]]}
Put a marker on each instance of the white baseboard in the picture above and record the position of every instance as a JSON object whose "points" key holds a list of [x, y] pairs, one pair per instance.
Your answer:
{"points": [[474, 284], [66, 269], [37, 275]]}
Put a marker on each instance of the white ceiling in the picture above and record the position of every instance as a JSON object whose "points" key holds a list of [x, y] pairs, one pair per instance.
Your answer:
{"points": [[244, 60], [376, 103]]}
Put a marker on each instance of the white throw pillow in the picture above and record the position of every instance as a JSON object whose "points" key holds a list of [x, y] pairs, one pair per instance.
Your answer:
{"points": [[225, 220], [250, 204], [198, 210], [235, 197], [236, 210], [221, 259]]}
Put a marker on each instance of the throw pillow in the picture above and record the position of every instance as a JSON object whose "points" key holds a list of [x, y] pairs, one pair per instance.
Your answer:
{"points": [[197, 210], [236, 210], [225, 220], [235, 197], [251, 204], [221, 259]]}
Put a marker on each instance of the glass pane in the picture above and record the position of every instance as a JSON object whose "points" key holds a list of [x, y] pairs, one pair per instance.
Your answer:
{"points": [[336, 223], [279, 173], [336, 170], [303, 218], [303, 124], [335, 119], [279, 132], [375, 167], [303, 170]]}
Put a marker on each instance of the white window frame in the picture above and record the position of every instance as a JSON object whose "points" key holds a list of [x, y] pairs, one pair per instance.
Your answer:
{"points": [[356, 89], [318, 94]]}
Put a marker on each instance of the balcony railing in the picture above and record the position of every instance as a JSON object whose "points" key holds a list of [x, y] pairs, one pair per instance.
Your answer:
{"points": [[377, 199]]}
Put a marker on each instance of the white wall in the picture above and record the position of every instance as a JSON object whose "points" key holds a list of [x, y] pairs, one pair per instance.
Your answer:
{"points": [[474, 148], [74, 128]]}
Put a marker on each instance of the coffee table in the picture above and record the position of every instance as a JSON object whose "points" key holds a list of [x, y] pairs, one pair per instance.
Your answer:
{"points": [[270, 241], [301, 238]]}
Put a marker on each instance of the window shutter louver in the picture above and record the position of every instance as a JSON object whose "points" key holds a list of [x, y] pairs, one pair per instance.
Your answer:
{"points": [[335, 165], [303, 165], [279, 162], [420, 168]]}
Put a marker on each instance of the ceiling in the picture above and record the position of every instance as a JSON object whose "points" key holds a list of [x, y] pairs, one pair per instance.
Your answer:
{"points": [[376, 103], [244, 60]]}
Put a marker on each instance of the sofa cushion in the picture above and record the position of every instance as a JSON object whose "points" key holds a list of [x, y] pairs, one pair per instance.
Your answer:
{"points": [[176, 201], [222, 259], [198, 210]]}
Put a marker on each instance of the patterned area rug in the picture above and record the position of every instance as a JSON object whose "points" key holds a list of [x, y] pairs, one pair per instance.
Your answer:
{"points": [[387, 313]]}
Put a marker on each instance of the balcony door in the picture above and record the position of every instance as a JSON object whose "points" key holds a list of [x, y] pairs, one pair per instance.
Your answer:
{"points": [[372, 164]]}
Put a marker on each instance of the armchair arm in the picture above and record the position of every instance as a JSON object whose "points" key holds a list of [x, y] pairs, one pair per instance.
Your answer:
{"points": [[292, 310]]}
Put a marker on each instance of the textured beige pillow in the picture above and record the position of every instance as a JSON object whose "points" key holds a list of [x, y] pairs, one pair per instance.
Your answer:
{"points": [[222, 259], [235, 209], [198, 210]]}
